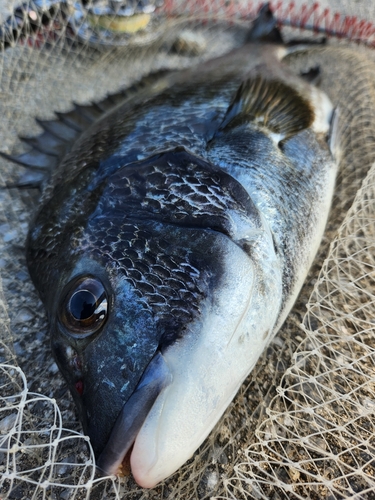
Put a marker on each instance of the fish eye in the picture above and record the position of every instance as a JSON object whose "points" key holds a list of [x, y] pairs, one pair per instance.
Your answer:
{"points": [[84, 308]]}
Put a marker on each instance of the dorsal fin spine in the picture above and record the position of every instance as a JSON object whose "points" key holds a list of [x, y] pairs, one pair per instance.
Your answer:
{"points": [[58, 136]]}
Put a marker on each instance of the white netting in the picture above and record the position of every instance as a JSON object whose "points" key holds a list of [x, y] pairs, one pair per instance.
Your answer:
{"points": [[302, 426], [318, 438]]}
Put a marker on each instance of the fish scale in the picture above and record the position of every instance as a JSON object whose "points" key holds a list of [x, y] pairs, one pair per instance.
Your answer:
{"points": [[173, 195], [170, 294]]}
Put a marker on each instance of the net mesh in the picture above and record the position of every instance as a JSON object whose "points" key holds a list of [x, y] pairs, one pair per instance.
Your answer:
{"points": [[302, 425]]}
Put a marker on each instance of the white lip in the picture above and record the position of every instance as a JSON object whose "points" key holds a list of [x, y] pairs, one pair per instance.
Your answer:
{"points": [[133, 414]]}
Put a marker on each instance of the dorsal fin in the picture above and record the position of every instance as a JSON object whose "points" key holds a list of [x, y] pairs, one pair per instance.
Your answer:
{"points": [[264, 28], [271, 104], [59, 134]]}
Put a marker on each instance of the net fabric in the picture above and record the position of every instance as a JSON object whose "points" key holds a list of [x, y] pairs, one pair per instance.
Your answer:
{"points": [[318, 438], [301, 425]]}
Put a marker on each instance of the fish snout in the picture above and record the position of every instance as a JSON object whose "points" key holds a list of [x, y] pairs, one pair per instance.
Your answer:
{"points": [[156, 377]]}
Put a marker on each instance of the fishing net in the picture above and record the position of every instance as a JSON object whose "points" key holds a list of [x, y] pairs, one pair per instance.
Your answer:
{"points": [[303, 423]]}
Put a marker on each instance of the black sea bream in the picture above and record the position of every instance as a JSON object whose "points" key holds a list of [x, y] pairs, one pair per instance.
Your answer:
{"points": [[173, 241]]}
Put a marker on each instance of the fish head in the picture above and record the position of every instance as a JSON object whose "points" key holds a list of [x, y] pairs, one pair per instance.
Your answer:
{"points": [[103, 337], [155, 304]]}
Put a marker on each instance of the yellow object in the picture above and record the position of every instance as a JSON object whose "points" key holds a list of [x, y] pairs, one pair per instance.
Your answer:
{"points": [[121, 24]]}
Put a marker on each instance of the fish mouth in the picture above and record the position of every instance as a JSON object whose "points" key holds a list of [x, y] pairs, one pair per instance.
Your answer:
{"points": [[156, 377]]}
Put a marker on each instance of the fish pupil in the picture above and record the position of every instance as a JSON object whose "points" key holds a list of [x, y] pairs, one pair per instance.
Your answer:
{"points": [[83, 305]]}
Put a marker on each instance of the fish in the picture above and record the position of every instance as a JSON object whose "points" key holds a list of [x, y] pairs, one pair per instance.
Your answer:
{"points": [[176, 229]]}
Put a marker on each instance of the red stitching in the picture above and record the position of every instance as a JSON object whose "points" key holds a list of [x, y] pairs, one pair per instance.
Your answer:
{"points": [[304, 17]]}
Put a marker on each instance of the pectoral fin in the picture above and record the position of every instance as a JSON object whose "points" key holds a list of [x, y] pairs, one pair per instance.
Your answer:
{"points": [[271, 104]]}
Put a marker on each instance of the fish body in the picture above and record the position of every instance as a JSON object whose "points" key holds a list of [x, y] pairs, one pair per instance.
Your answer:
{"points": [[171, 245]]}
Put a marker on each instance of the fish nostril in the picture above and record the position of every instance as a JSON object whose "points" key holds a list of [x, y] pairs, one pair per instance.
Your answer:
{"points": [[79, 387]]}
